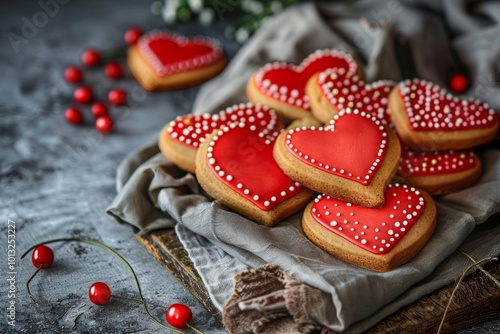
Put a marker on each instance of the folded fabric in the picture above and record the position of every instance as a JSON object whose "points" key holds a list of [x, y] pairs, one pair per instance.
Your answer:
{"points": [[154, 194]]}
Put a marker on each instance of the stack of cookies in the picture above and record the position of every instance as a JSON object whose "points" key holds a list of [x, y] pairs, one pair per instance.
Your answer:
{"points": [[372, 155]]}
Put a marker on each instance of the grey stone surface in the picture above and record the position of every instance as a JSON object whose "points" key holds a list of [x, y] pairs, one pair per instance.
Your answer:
{"points": [[56, 179]]}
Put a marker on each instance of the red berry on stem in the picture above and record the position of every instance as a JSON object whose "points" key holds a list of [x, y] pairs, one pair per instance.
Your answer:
{"points": [[104, 124], [117, 96], [73, 74], [99, 109], [91, 57], [83, 94], [178, 315], [132, 35], [42, 256], [113, 70], [74, 116], [459, 83], [99, 293]]}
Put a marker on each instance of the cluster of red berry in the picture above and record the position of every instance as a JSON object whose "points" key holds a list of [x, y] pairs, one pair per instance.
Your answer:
{"points": [[42, 257], [85, 94]]}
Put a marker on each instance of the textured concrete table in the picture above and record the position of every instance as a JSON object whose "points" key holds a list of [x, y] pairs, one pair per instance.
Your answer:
{"points": [[56, 179]]}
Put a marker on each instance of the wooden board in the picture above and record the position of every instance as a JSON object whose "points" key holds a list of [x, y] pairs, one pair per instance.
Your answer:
{"points": [[476, 300]]}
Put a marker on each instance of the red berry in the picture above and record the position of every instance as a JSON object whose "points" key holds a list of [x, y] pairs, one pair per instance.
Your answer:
{"points": [[113, 70], [83, 94], [104, 124], [178, 315], [73, 74], [42, 256], [117, 96], [91, 57], [74, 116], [459, 83], [99, 109], [99, 293], [132, 34]]}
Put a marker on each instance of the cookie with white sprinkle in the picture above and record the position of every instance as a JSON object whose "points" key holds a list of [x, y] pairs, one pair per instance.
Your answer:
{"points": [[282, 85], [333, 90], [182, 137], [163, 60], [352, 158], [379, 239], [428, 118], [439, 172], [235, 165]]}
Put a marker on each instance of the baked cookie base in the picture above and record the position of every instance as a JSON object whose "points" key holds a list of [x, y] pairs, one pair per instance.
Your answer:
{"points": [[220, 191], [371, 195], [146, 76], [343, 249], [435, 140], [445, 183]]}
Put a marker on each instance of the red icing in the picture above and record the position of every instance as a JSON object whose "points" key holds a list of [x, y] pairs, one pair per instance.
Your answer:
{"points": [[431, 108], [377, 230], [170, 53], [343, 91], [413, 163], [352, 146], [243, 160], [286, 82], [191, 130]]}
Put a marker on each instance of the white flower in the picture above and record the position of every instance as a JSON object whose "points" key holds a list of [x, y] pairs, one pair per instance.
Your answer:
{"points": [[207, 16]]}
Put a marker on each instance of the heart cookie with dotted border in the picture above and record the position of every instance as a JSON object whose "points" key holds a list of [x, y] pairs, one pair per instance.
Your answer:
{"points": [[163, 60], [379, 239], [235, 165], [353, 158], [282, 85], [439, 172], [428, 118], [331, 91], [181, 138]]}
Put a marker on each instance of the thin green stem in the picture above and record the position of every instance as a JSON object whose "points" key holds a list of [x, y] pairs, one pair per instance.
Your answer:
{"points": [[193, 328], [115, 253], [28, 284], [137, 301]]}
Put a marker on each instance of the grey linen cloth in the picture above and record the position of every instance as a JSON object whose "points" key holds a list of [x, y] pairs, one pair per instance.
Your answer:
{"points": [[154, 194]]}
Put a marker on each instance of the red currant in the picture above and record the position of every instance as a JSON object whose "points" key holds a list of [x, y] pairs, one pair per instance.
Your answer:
{"points": [[99, 109], [104, 124], [91, 57], [73, 74], [83, 94], [117, 96], [99, 293], [178, 315], [113, 70], [42, 256], [74, 116], [132, 34], [458, 83]]}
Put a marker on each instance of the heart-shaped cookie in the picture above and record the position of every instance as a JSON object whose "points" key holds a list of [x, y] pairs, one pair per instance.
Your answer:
{"points": [[438, 172], [165, 60], [353, 158], [379, 239], [180, 139], [236, 166], [282, 85], [331, 91], [428, 118]]}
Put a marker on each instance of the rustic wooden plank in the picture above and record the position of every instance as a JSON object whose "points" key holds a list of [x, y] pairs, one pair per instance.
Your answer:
{"points": [[476, 300]]}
